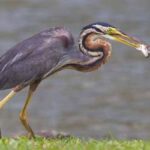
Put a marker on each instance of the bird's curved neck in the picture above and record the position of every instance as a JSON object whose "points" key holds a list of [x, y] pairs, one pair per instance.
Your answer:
{"points": [[85, 44], [82, 62], [93, 44]]}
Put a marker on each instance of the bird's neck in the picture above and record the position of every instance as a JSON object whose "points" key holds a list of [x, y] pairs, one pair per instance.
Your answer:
{"points": [[81, 62], [96, 50]]}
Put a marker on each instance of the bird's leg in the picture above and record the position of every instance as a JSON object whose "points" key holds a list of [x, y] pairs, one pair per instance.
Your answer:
{"points": [[9, 96], [23, 113]]}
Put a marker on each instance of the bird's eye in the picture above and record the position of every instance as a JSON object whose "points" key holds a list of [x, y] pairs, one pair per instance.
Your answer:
{"points": [[113, 31], [110, 31]]}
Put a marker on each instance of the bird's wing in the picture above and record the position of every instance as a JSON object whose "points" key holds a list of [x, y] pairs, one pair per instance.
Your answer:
{"points": [[33, 57], [35, 44], [20, 51]]}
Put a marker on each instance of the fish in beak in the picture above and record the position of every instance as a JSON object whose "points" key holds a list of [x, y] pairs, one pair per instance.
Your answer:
{"points": [[114, 34]]}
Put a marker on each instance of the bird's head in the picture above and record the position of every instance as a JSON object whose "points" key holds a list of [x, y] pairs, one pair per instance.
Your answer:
{"points": [[93, 40]]}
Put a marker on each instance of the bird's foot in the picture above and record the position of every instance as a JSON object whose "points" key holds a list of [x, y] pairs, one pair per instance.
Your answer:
{"points": [[46, 134], [30, 136]]}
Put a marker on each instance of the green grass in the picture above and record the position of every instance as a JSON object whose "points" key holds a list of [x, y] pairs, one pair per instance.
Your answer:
{"points": [[71, 144]]}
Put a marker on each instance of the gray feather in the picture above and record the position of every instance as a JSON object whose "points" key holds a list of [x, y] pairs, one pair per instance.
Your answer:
{"points": [[31, 59]]}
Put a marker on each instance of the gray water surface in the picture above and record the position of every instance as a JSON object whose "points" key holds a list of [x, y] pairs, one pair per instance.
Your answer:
{"points": [[111, 102]]}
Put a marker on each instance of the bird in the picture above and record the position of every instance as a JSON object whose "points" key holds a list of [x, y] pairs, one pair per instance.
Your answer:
{"points": [[52, 50]]}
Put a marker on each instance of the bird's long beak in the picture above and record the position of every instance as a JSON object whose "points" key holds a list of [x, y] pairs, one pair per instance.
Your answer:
{"points": [[119, 36]]}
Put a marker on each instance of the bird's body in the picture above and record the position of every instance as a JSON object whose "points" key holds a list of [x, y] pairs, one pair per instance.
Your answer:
{"points": [[52, 50], [25, 62]]}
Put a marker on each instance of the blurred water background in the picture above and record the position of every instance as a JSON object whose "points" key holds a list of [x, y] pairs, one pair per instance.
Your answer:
{"points": [[111, 102]]}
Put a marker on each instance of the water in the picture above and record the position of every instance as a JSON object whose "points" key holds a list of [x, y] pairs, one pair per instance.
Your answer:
{"points": [[113, 101]]}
